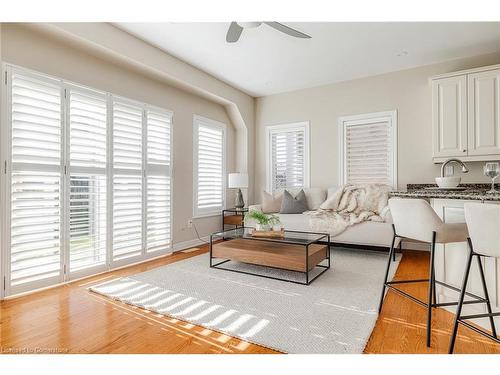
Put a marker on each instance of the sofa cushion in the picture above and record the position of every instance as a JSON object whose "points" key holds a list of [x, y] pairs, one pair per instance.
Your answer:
{"points": [[293, 205], [271, 204], [365, 233]]}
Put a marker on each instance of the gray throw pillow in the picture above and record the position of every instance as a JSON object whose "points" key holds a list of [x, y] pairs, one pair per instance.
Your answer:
{"points": [[291, 205]]}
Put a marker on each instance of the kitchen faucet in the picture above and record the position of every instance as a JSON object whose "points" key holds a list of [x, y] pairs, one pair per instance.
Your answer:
{"points": [[458, 161]]}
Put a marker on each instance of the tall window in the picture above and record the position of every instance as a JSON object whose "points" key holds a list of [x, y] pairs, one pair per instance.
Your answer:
{"points": [[368, 149], [209, 166], [35, 180], [287, 156], [158, 182], [88, 181], [127, 180], [87, 178]]}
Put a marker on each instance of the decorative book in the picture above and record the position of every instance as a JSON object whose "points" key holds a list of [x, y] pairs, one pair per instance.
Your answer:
{"points": [[269, 233]]}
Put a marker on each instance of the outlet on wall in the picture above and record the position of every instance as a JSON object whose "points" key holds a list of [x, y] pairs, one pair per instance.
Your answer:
{"points": [[190, 223]]}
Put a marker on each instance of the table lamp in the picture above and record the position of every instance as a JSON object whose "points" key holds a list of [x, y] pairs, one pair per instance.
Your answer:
{"points": [[238, 181]]}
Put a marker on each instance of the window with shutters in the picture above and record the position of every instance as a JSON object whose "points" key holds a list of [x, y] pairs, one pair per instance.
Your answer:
{"points": [[127, 180], [368, 149], [87, 178], [35, 181], [209, 166], [287, 156], [158, 171], [87, 181]]}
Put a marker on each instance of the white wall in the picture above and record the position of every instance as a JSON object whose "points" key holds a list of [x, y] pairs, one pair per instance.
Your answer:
{"points": [[407, 91], [109, 42], [24, 47]]}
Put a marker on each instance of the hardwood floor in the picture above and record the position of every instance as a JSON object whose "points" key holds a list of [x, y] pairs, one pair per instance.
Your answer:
{"points": [[69, 319], [401, 326]]}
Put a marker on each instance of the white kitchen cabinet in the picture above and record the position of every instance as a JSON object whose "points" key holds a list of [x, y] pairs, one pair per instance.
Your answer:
{"points": [[450, 260], [484, 113], [450, 116], [466, 115]]}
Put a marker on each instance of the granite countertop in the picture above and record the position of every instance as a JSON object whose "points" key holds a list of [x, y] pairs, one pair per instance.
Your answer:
{"points": [[471, 192]]}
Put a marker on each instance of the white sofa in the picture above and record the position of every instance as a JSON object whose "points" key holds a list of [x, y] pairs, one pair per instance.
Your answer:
{"points": [[368, 233]]}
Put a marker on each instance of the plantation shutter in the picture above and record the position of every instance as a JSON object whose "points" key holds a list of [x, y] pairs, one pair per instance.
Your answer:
{"points": [[288, 152], [368, 152], [127, 180], [209, 174], [158, 180], [87, 179], [35, 224]]}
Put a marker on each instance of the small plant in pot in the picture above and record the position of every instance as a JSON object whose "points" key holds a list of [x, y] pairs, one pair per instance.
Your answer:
{"points": [[263, 221]]}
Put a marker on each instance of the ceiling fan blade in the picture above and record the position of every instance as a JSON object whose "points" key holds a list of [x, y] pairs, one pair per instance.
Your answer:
{"points": [[233, 33], [287, 30]]}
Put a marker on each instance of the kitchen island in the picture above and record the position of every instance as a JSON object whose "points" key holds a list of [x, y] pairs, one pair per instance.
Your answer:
{"points": [[475, 192], [450, 259]]}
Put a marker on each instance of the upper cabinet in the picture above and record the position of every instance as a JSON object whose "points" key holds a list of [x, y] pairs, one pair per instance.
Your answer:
{"points": [[449, 114], [466, 115], [484, 113]]}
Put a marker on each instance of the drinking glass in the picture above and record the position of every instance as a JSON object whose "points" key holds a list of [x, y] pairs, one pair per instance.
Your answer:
{"points": [[492, 170]]}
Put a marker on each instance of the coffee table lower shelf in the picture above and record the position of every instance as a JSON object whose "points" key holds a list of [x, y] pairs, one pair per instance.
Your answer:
{"points": [[283, 256]]}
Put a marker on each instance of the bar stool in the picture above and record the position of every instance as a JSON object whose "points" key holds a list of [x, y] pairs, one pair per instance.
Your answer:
{"points": [[415, 219], [483, 222]]}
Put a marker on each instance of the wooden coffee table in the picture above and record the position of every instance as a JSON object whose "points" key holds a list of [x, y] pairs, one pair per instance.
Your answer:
{"points": [[300, 252]]}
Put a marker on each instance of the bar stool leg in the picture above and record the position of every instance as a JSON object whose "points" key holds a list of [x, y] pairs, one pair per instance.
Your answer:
{"points": [[434, 294], [486, 296], [431, 290], [391, 252], [461, 300]]}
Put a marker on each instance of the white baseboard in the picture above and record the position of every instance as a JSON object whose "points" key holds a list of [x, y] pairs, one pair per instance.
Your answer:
{"points": [[419, 246], [190, 243]]}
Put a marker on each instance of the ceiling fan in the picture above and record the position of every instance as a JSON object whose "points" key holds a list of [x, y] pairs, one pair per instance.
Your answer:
{"points": [[235, 29]]}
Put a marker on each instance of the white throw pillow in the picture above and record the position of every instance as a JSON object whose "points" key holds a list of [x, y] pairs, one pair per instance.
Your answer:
{"points": [[332, 190], [271, 204], [333, 200], [314, 197]]}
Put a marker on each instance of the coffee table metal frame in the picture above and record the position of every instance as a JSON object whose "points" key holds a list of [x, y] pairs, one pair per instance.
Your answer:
{"points": [[323, 238]]}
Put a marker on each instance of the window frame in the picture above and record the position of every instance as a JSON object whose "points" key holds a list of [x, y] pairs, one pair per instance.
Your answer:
{"points": [[366, 118], [197, 120], [65, 171], [283, 128]]}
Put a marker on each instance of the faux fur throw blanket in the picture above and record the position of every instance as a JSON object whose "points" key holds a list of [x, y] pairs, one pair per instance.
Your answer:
{"points": [[351, 204]]}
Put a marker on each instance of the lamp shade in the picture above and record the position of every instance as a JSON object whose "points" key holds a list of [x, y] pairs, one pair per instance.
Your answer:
{"points": [[237, 180]]}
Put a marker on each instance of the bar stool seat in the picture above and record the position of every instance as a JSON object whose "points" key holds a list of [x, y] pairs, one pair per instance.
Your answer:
{"points": [[416, 220]]}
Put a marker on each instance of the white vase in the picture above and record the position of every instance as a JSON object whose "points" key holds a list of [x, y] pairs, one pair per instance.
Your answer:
{"points": [[262, 226]]}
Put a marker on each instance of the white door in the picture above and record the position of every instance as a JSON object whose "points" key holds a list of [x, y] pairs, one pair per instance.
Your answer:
{"points": [[484, 113], [449, 116]]}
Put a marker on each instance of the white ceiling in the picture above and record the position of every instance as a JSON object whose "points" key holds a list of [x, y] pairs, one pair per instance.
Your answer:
{"points": [[265, 61]]}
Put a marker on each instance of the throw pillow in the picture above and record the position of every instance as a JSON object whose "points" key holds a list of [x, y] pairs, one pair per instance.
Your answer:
{"points": [[333, 200], [291, 205], [271, 204], [314, 197]]}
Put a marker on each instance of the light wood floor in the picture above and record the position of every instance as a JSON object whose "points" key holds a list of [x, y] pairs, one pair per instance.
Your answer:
{"points": [[69, 319], [401, 326]]}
